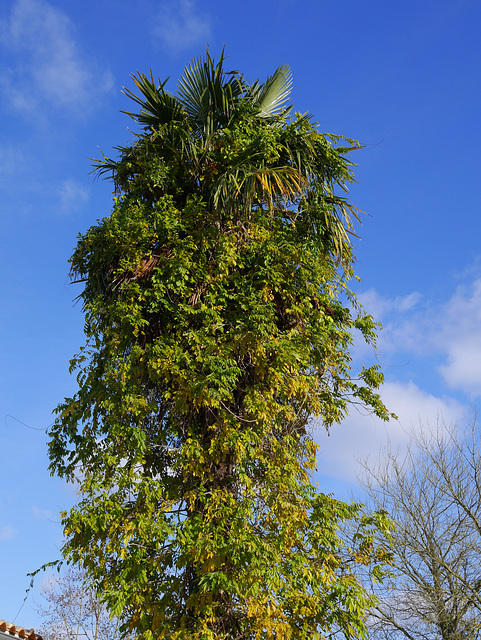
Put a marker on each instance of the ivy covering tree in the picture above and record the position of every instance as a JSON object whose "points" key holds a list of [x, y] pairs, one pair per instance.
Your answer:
{"points": [[219, 321]]}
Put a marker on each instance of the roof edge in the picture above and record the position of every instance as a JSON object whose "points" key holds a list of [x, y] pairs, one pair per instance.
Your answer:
{"points": [[16, 631]]}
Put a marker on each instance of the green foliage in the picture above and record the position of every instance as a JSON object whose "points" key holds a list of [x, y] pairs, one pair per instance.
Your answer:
{"points": [[218, 322]]}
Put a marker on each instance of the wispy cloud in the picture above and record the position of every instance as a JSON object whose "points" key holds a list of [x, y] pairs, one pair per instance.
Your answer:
{"points": [[12, 160], [181, 24], [449, 329], [43, 514], [380, 306], [72, 196], [6, 533], [362, 435], [48, 65]]}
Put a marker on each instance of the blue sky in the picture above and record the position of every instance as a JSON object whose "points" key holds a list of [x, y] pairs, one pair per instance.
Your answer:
{"points": [[402, 77]]}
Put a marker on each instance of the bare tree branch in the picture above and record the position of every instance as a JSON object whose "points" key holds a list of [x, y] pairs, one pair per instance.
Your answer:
{"points": [[433, 495], [72, 610]]}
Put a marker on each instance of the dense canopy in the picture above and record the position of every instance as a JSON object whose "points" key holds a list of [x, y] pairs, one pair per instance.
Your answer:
{"points": [[219, 321]]}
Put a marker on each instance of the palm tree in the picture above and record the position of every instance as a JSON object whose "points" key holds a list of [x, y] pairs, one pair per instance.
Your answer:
{"points": [[198, 129]]}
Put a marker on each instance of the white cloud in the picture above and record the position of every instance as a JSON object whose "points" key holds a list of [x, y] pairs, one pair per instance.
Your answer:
{"points": [[6, 533], [180, 25], [72, 196], [48, 64], [463, 366], [361, 435], [403, 319], [378, 306], [448, 329], [43, 514], [460, 338]]}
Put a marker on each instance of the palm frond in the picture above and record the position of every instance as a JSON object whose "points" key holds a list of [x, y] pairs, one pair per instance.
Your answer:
{"points": [[107, 165], [158, 106], [206, 95], [269, 186], [272, 96], [192, 88]]}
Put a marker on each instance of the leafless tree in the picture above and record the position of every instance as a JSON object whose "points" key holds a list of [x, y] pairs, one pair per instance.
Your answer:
{"points": [[433, 495], [72, 610]]}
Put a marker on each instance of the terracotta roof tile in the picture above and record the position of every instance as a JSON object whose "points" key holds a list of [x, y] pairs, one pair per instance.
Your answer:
{"points": [[16, 631]]}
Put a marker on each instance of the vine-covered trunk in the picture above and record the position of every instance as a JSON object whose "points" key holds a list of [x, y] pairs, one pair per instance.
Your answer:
{"points": [[219, 320]]}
